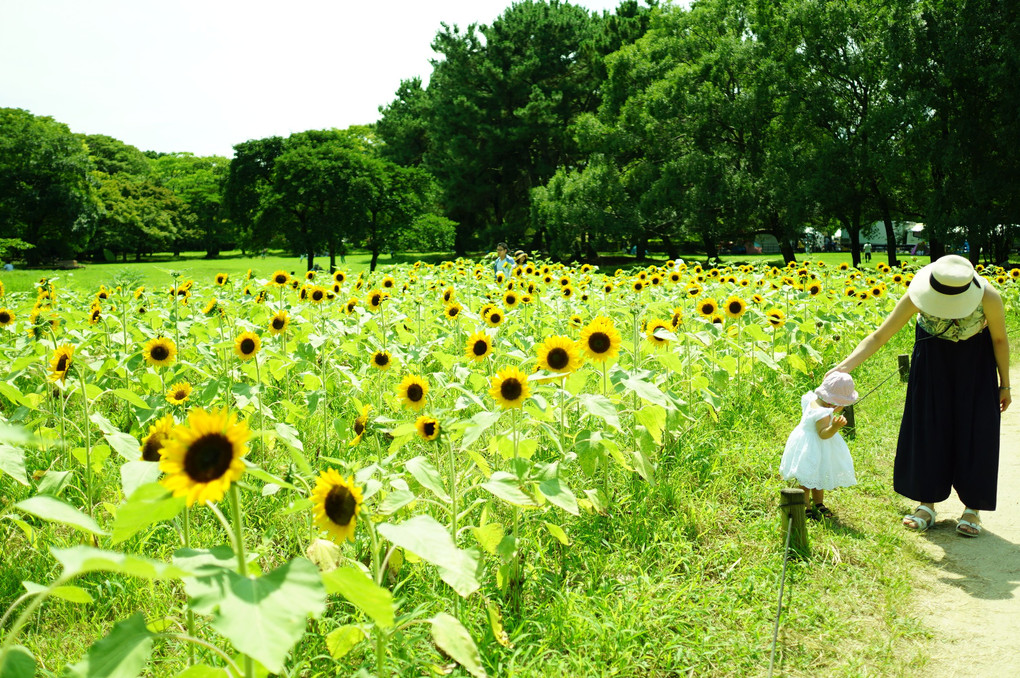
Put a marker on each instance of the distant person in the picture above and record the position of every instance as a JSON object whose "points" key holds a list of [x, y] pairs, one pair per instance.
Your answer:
{"points": [[816, 454], [343, 251], [502, 264], [8, 266], [867, 251], [521, 257]]}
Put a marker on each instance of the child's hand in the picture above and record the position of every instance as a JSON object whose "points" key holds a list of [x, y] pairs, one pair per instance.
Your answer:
{"points": [[839, 422], [837, 409]]}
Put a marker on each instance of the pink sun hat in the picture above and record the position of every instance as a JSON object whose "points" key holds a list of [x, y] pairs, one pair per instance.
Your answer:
{"points": [[837, 388]]}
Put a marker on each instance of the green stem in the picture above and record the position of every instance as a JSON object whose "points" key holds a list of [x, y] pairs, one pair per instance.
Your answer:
{"points": [[262, 417], [88, 444], [24, 617], [453, 502], [191, 612], [242, 559], [380, 633]]}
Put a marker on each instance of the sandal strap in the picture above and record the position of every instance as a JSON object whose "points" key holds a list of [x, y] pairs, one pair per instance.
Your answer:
{"points": [[976, 526], [930, 512]]}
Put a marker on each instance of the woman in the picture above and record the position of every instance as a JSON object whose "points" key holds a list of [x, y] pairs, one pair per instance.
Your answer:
{"points": [[949, 436]]}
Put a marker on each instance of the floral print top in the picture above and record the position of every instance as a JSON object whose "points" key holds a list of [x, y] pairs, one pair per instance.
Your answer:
{"points": [[953, 330]]}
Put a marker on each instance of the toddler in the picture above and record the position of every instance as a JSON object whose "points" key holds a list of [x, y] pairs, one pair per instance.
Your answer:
{"points": [[816, 455]]}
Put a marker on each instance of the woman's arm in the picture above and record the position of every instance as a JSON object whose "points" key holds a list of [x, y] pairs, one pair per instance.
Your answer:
{"points": [[892, 324], [995, 314]]}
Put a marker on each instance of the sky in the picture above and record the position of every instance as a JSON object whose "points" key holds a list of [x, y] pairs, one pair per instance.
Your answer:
{"points": [[201, 76]]}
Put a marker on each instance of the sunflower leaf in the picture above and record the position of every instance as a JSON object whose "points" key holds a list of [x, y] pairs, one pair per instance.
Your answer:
{"points": [[480, 423], [645, 390], [12, 462], [342, 640], [508, 488], [559, 494], [425, 537], [53, 510], [149, 503], [131, 398], [121, 654], [653, 418], [362, 592], [601, 407], [263, 617], [134, 474], [17, 662], [70, 593], [426, 474], [82, 559], [453, 639]]}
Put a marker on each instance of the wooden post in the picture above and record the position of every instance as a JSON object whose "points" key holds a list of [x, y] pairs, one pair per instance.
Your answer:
{"points": [[791, 504], [904, 367], [850, 430]]}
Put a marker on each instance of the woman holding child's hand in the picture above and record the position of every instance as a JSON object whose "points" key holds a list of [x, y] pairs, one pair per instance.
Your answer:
{"points": [[958, 387]]}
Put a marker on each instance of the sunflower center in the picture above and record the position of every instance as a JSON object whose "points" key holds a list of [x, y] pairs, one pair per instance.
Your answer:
{"points": [[160, 352], [511, 299], [495, 317], [415, 393], [5, 317], [558, 358], [429, 427], [281, 279], [599, 342], [735, 307], [340, 505], [480, 348], [247, 345], [62, 364], [277, 323], [454, 311], [707, 308], [317, 295], [151, 448], [510, 389], [180, 394], [381, 359], [208, 458], [359, 426]]}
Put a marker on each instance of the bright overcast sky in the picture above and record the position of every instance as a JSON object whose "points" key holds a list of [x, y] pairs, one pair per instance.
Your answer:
{"points": [[201, 76]]}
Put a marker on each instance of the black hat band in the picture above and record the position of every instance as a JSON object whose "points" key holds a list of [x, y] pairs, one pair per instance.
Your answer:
{"points": [[951, 289]]}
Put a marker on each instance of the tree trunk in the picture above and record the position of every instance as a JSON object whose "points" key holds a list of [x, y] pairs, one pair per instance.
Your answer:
{"points": [[332, 257], [375, 257], [890, 234], [710, 249], [672, 252], [311, 259]]}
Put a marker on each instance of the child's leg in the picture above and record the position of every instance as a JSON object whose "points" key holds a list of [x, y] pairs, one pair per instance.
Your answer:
{"points": [[808, 492], [818, 497]]}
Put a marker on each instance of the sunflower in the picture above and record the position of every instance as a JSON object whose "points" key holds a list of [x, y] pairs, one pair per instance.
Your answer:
{"points": [[375, 299], [716, 319], [210, 307], [850, 292], [638, 285], [221, 278], [388, 282], [735, 307], [494, 317], [309, 275], [510, 388], [863, 295], [478, 346], [655, 280], [337, 503], [658, 324], [178, 393], [382, 360], [694, 290], [600, 340], [814, 288], [351, 304], [452, 311], [510, 299], [61, 362], [278, 323], [677, 318], [428, 428], [412, 391], [6, 317], [526, 299], [156, 438], [360, 425], [707, 307], [339, 277], [260, 298], [877, 291], [279, 278], [757, 299], [317, 294], [559, 354], [608, 288], [247, 345], [844, 266], [775, 317], [202, 459], [576, 320], [95, 315], [160, 352]]}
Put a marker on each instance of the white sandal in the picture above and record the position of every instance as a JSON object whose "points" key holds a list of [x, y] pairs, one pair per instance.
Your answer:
{"points": [[920, 524], [966, 523]]}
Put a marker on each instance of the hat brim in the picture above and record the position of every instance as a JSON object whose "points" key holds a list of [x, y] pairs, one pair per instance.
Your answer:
{"points": [[949, 307]]}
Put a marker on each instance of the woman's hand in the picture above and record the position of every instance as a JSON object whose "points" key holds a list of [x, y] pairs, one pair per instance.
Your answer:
{"points": [[1004, 399]]}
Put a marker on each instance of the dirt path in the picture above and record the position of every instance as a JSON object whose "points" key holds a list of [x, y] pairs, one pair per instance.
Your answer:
{"points": [[969, 600]]}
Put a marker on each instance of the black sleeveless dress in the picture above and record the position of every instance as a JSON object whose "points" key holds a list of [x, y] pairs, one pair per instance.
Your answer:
{"points": [[949, 436]]}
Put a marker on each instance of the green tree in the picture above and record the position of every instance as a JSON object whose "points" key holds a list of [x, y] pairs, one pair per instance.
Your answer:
{"points": [[247, 190], [138, 217], [47, 191], [113, 156], [199, 183]]}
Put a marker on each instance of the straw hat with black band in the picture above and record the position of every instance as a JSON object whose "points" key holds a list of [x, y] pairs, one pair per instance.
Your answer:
{"points": [[947, 288]]}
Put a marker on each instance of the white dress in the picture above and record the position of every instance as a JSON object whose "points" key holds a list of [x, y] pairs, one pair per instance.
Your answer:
{"points": [[816, 464]]}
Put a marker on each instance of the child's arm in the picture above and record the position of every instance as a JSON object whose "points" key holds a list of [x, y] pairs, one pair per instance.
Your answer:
{"points": [[829, 426]]}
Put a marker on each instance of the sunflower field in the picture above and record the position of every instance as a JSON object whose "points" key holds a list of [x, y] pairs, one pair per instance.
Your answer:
{"points": [[392, 473]]}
